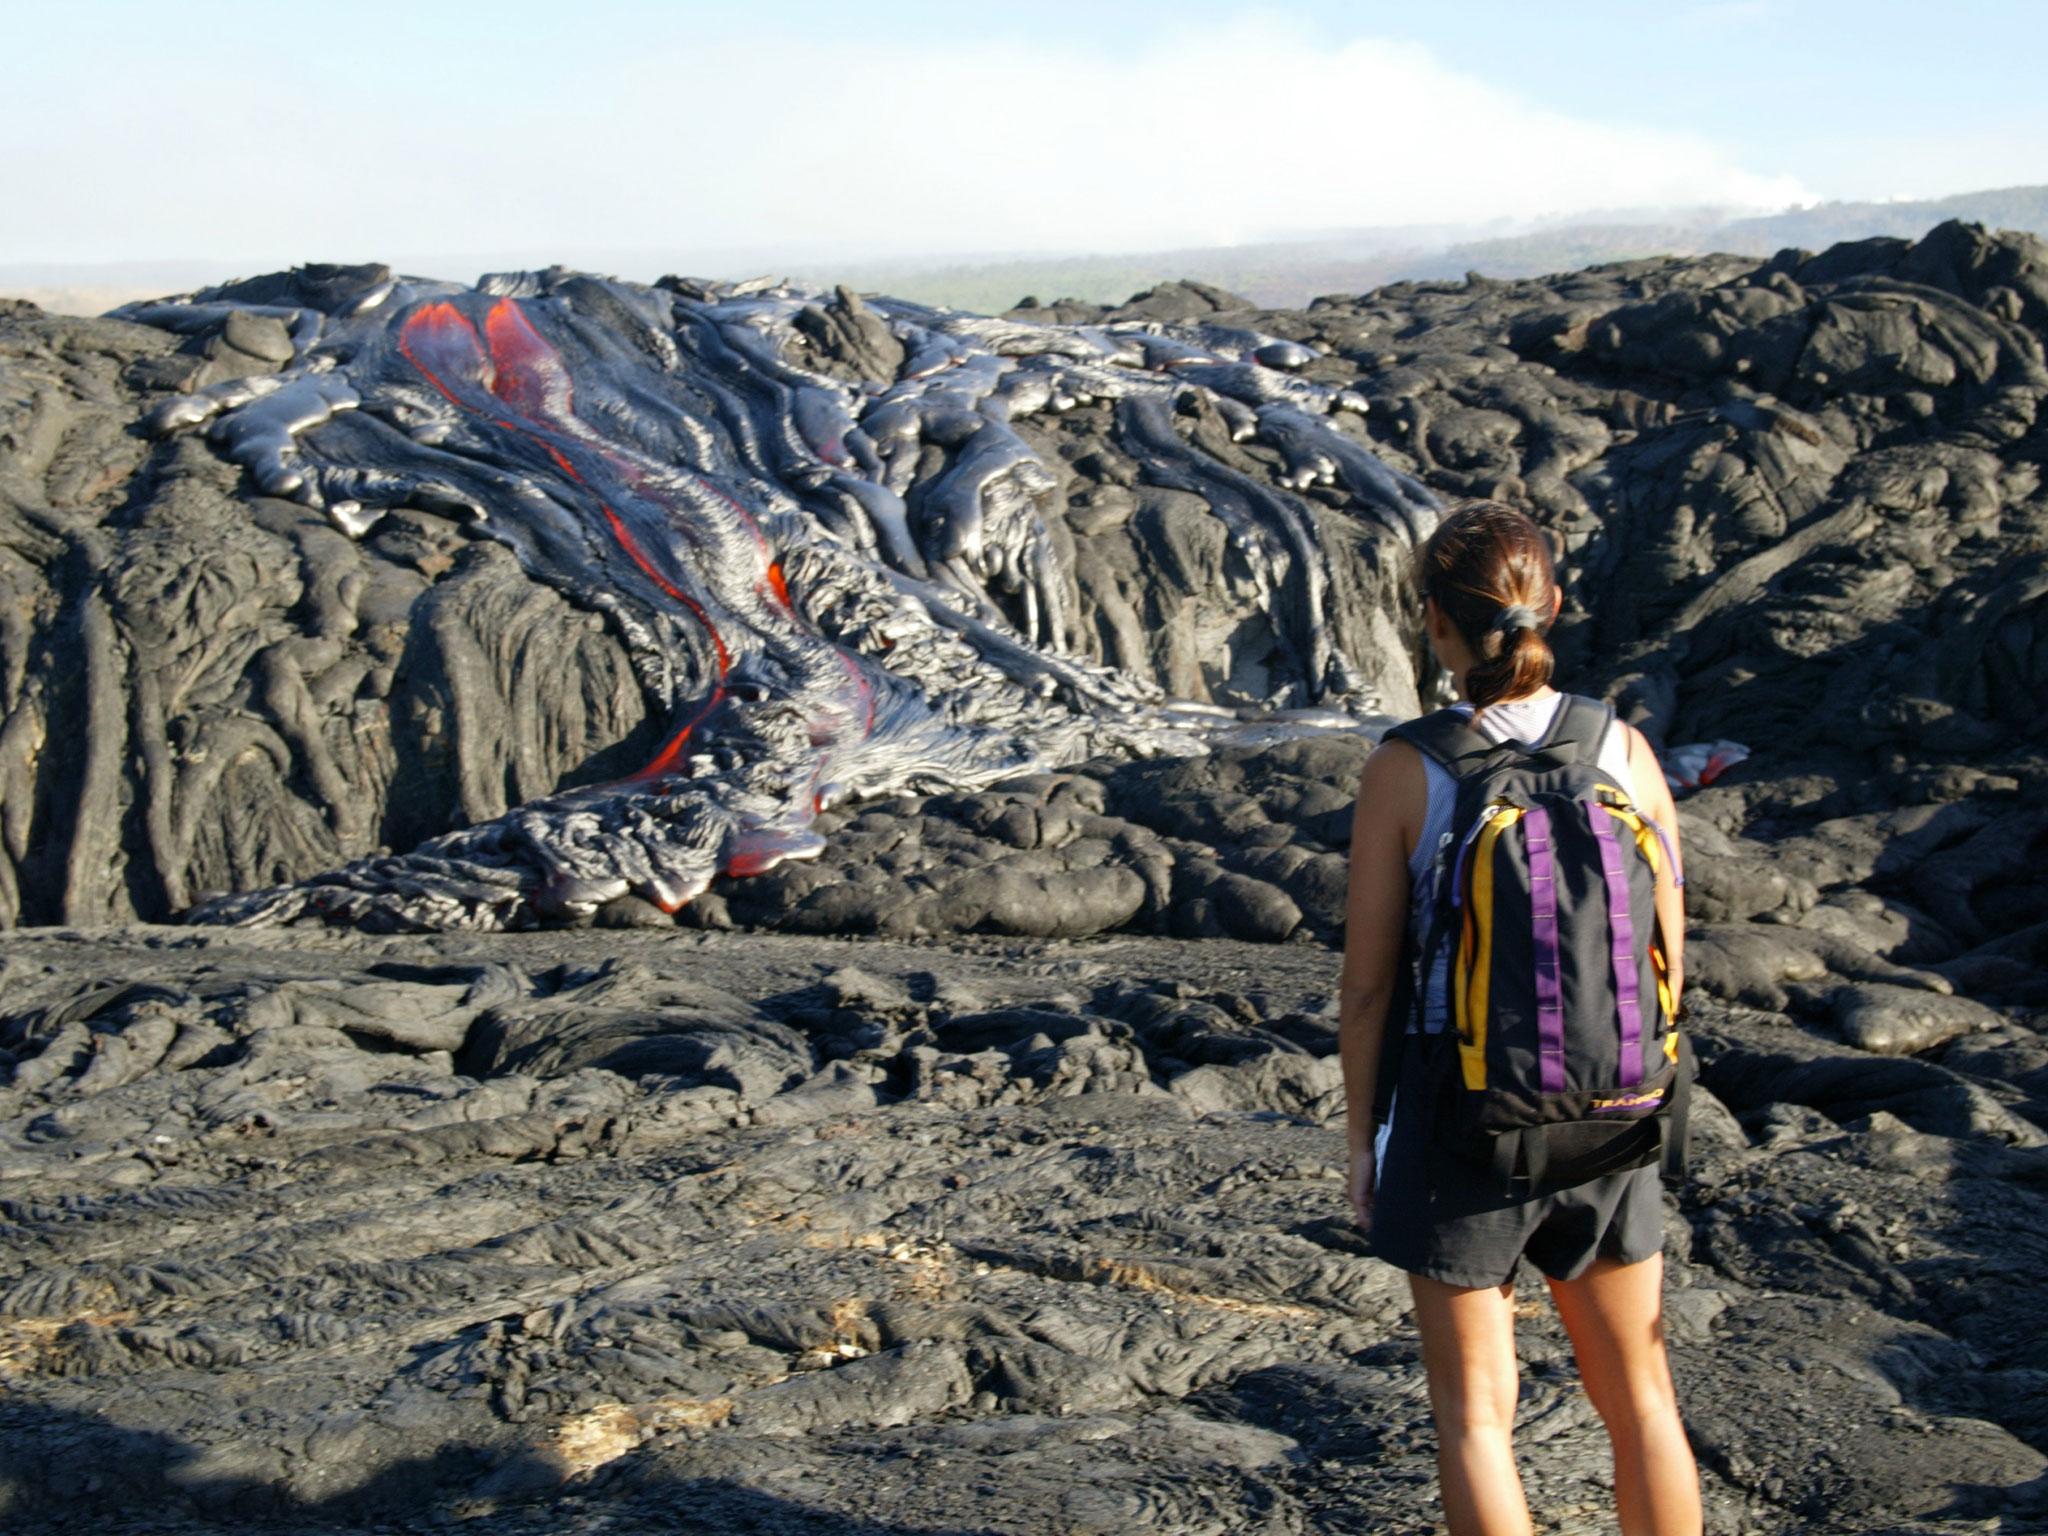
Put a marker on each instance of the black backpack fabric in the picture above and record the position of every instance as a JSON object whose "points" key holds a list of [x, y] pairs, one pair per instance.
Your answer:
{"points": [[1563, 1060]]}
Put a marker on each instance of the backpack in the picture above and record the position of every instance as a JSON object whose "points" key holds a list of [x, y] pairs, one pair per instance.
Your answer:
{"points": [[1563, 1061]]}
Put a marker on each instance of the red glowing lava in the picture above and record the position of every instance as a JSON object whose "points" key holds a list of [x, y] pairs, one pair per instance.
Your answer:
{"points": [[512, 363]]}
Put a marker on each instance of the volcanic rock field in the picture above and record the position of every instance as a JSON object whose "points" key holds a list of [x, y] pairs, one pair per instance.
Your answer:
{"points": [[709, 907]]}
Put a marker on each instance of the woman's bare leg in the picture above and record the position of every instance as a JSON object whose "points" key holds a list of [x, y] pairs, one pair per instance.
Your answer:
{"points": [[1615, 1315], [1468, 1348]]}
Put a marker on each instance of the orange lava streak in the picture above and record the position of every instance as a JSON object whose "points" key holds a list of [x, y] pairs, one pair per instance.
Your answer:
{"points": [[528, 371], [442, 326], [632, 547], [751, 863], [516, 364], [672, 751]]}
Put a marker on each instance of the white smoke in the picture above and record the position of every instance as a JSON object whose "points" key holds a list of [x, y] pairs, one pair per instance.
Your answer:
{"points": [[1215, 138], [859, 143]]}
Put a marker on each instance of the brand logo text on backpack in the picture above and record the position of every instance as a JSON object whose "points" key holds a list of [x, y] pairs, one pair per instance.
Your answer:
{"points": [[1625, 1101]]}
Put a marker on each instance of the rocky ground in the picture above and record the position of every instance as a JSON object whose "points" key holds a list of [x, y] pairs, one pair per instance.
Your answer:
{"points": [[982, 1174], [569, 1232]]}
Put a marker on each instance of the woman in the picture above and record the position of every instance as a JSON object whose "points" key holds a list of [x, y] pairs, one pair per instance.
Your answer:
{"points": [[1489, 595]]}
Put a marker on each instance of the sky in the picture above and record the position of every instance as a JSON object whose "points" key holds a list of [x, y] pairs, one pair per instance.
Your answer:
{"points": [[263, 134]]}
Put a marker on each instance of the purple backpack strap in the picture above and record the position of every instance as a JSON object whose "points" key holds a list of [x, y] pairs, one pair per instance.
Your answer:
{"points": [[1549, 967], [1549, 982], [1622, 942]]}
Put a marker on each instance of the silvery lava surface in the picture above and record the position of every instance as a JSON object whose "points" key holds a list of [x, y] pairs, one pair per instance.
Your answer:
{"points": [[978, 1170]]}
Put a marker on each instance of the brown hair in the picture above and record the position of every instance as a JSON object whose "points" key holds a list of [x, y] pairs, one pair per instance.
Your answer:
{"points": [[1489, 569]]}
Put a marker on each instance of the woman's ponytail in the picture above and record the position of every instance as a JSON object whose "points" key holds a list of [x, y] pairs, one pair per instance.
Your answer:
{"points": [[1522, 665], [1488, 568]]}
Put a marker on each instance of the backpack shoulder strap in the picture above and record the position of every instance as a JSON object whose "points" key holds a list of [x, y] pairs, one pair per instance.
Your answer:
{"points": [[1447, 739], [1581, 725]]}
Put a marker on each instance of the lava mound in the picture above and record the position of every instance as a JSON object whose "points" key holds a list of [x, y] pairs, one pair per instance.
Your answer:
{"points": [[412, 605], [447, 607], [971, 712]]}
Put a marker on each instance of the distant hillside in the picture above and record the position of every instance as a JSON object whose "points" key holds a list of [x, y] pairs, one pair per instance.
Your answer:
{"points": [[1816, 228], [1571, 247], [1290, 273], [1278, 273]]}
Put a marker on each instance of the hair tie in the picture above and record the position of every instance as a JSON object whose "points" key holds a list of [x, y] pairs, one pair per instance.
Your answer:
{"points": [[1516, 616]]}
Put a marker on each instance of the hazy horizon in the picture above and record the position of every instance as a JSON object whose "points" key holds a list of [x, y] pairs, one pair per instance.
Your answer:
{"points": [[1280, 272], [638, 137], [1384, 236], [257, 137]]}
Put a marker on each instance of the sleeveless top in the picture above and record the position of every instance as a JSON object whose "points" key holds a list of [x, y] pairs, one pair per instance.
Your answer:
{"points": [[1515, 720]]}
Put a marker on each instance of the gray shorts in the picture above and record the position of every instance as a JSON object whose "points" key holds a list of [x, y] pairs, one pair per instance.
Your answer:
{"points": [[1449, 1220]]}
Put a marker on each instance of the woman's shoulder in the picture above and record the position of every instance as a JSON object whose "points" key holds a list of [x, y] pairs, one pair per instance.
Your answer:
{"points": [[1394, 793], [1395, 780], [1627, 752], [1394, 761]]}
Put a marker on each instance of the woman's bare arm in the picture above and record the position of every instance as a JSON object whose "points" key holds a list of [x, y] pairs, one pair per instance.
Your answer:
{"points": [[1653, 797], [1384, 825]]}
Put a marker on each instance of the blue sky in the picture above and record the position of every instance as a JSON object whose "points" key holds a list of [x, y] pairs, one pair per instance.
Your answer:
{"points": [[259, 133]]}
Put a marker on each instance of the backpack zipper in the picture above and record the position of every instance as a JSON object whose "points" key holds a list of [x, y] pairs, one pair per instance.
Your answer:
{"points": [[1663, 837], [1670, 855], [1463, 868]]}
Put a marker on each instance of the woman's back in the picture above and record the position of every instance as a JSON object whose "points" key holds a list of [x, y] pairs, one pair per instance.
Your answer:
{"points": [[1489, 595], [1524, 719]]}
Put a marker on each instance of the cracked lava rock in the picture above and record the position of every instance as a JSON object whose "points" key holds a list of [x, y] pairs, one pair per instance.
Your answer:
{"points": [[916, 751]]}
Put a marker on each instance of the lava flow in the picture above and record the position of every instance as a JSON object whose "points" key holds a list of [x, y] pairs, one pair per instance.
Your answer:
{"points": [[827, 586]]}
